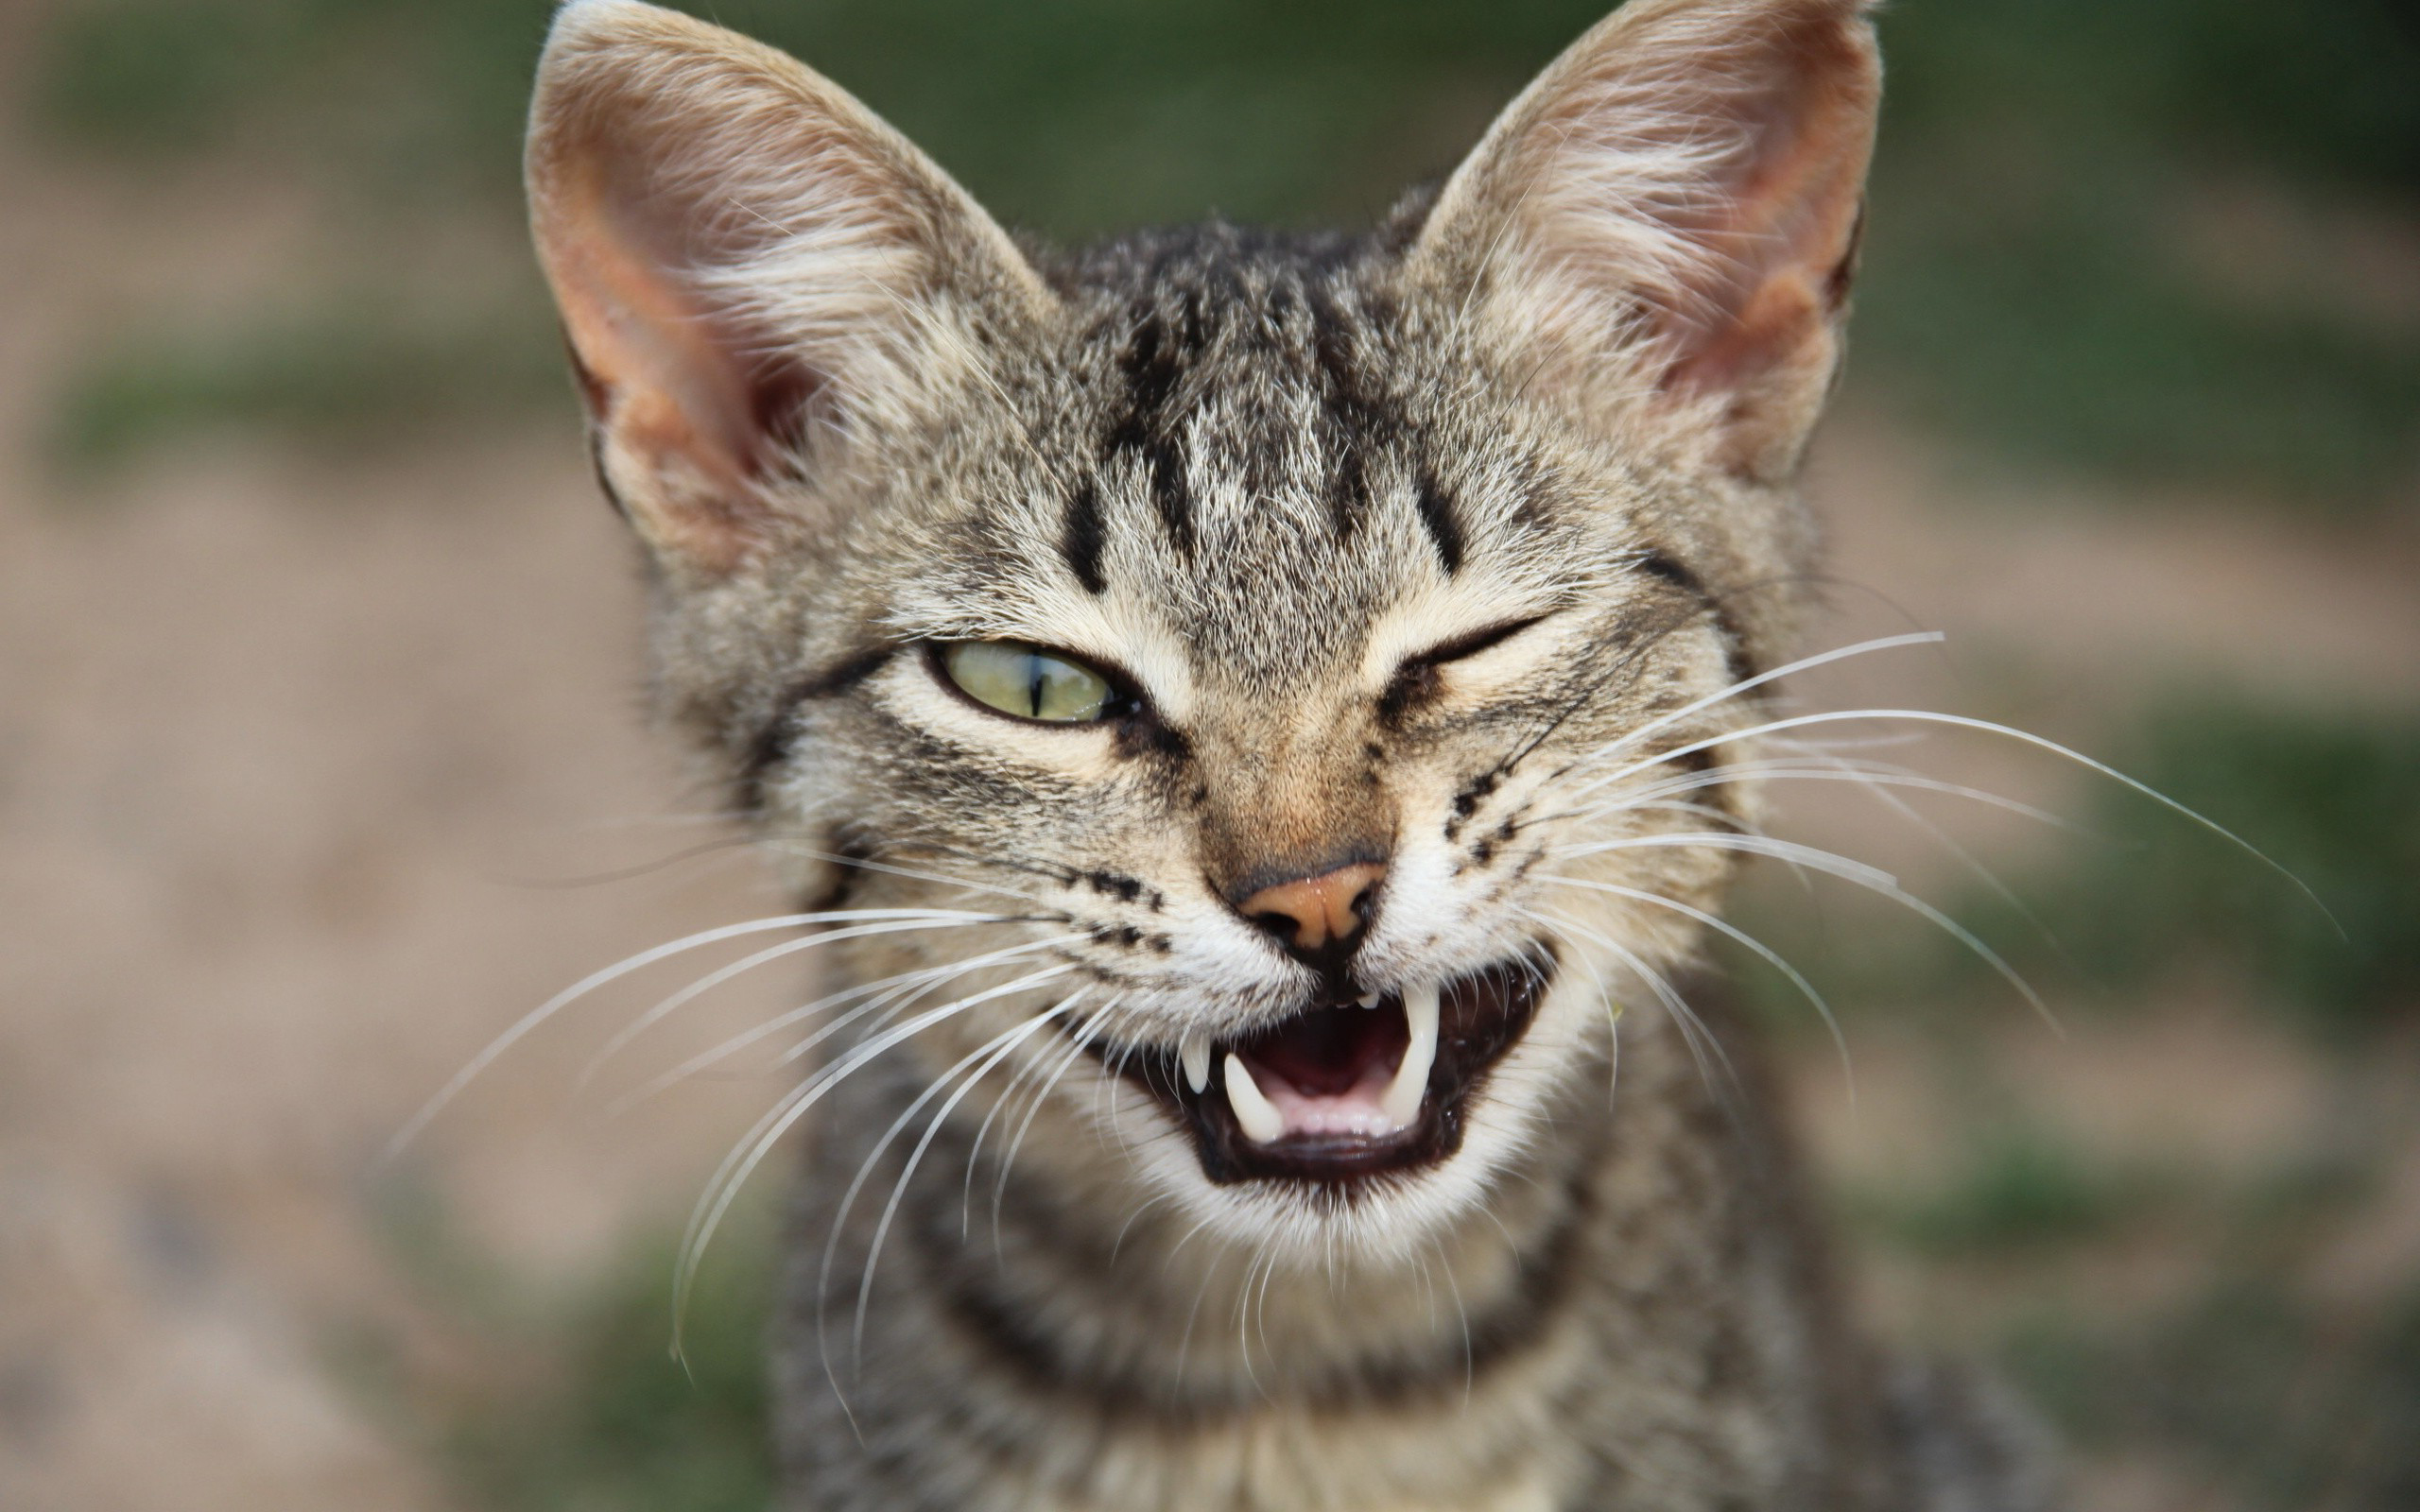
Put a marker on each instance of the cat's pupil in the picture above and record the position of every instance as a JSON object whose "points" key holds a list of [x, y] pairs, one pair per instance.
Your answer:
{"points": [[1027, 682]]}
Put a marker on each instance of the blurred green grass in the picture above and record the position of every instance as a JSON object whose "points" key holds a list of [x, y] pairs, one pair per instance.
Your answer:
{"points": [[580, 1404], [626, 1428], [2288, 1403], [342, 372], [2333, 798], [2033, 281]]}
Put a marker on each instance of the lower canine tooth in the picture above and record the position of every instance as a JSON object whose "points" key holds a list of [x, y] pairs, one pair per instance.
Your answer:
{"points": [[1401, 1100], [1196, 1052], [1254, 1113]]}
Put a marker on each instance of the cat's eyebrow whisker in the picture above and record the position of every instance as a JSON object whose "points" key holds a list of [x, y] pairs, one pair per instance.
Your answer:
{"points": [[522, 1027], [724, 1188], [889, 995], [716, 978], [1934, 716], [1715, 922]]}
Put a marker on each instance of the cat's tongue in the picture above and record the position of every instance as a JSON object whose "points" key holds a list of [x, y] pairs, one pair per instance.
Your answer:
{"points": [[1336, 1071]]}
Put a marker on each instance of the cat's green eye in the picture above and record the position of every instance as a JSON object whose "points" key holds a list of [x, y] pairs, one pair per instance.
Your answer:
{"points": [[1028, 682]]}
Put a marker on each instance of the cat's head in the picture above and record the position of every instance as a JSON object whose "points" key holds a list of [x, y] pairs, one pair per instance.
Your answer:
{"points": [[1313, 653]]}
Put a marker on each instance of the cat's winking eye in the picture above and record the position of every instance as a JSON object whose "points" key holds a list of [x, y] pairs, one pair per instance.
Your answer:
{"points": [[1029, 682], [1417, 679]]}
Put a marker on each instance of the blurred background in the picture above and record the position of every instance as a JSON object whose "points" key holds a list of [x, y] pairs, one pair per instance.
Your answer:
{"points": [[321, 756]]}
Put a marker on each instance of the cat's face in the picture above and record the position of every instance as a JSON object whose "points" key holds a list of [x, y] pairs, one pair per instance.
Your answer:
{"points": [[1308, 658]]}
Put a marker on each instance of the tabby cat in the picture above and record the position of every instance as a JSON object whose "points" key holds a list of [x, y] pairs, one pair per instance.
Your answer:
{"points": [[1257, 722]]}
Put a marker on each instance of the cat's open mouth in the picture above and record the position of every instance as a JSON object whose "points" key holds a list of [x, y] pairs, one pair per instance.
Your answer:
{"points": [[1343, 1090]]}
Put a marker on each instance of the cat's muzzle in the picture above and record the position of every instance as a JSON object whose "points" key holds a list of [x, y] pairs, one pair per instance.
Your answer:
{"points": [[1339, 1092]]}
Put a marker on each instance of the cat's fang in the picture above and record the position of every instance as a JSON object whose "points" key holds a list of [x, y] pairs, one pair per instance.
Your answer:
{"points": [[1254, 1113], [1194, 1051], [1401, 1100]]}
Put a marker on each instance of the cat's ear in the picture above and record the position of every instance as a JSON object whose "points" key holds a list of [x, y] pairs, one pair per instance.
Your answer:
{"points": [[1659, 234], [751, 267]]}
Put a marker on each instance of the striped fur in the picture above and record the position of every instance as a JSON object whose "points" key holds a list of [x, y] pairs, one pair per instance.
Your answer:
{"points": [[1407, 543]]}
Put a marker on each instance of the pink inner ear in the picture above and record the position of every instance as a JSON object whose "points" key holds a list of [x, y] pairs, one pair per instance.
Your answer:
{"points": [[1780, 250]]}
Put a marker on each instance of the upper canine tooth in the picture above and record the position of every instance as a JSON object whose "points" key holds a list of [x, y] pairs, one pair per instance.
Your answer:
{"points": [[1401, 1100], [1368, 1000], [1196, 1054], [1254, 1113]]}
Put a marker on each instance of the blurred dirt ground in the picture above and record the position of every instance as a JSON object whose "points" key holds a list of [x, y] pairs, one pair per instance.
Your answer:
{"points": [[305, 757]]}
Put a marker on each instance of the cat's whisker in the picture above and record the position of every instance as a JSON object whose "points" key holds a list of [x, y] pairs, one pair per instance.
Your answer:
{"points": [[889, 995], [1084, 1039], [1632, 651], [1876, 778], [1784, 850], [1723, 926], [522, 1027], [1934, 716], [893, 1009], [1633, 736], [716, 978], [1878, 786], [1870, 878], [1155, 1200], [632, 872], [1193, 1313], [1019, 1081], [1059, 874], [1461, 1316], [989, 1054], [1703, 1047], [724, 1188], [792, 847], [1793, 768]]}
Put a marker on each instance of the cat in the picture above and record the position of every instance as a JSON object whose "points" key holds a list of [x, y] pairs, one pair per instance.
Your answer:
{"points": [[1258, 723]]}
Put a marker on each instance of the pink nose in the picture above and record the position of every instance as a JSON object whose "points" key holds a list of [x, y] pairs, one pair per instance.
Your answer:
{"points": [[1313, 913]]}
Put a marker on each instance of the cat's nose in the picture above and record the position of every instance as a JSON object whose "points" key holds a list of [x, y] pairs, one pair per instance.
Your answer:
{"points": [[1319, 920]]}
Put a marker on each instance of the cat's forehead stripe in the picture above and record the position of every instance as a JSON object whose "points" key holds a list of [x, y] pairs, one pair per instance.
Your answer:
{"points": [[1237, 412]]}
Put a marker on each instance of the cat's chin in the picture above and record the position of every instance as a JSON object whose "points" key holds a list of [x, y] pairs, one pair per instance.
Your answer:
{"points": [[1339, 1093]]}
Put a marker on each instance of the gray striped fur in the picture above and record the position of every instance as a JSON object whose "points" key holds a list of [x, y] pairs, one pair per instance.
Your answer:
{"points": [[1262, 476]]}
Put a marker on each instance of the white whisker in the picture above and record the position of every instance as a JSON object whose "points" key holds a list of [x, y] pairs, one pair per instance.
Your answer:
{"points": [[699, 988], [724, 1188], [1872, 878], [1988, 727], [1887, 643], [530, 1021], [993, 1052], [890, 995], [1694, 1032], [1771, 956]]}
